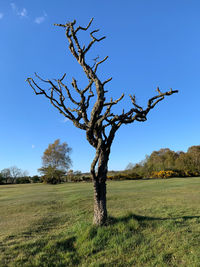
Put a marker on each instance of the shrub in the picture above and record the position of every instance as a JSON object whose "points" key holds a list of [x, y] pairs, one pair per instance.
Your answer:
{"points": [[117, 177], [52, 175], [86, 178], [173, 173], [133, 175], [124, 176], [22, 180], [191, 173], [36, 179], [164, 174]]}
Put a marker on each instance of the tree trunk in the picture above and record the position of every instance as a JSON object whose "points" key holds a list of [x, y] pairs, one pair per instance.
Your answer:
{"points": [[100, 209]]}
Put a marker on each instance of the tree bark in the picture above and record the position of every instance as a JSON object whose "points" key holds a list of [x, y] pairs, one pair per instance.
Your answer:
{"points": [[99, 179], [100, 209]]}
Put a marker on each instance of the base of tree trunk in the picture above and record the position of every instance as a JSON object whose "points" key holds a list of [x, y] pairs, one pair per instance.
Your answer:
{"points": [[100, 215]]}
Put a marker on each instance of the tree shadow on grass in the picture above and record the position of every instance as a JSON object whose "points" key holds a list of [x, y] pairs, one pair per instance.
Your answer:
{"points": [[113, 220], [60, 252], [66, 244], [43, 252]]}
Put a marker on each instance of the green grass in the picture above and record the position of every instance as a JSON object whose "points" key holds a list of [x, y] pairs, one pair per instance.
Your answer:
{"points": [[151, 223]]}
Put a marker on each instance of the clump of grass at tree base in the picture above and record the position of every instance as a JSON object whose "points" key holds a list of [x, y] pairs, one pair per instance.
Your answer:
{"points": [[56, 229]]}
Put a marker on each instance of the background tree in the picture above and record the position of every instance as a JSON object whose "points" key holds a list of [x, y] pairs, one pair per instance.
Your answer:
{"points": [[5, 173], [1, 179], [194, 153], [57, 155], [140, 168], [161, 160], [99, 122], [189, 161], [183, 162], [56, 161], [15, 173]]}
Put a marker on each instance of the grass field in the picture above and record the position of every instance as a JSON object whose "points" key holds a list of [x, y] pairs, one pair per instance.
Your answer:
{"points": [[152, 223]]}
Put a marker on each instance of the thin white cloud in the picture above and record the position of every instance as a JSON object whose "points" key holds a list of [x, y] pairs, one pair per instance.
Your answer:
{"points": [[33, 146], [1, 15], [19, 12], [23, 12], [65, 120], [40, 19]]}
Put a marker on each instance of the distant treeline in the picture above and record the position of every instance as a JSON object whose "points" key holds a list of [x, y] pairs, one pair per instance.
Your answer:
{"points": [[14, 175], [166, 163]]}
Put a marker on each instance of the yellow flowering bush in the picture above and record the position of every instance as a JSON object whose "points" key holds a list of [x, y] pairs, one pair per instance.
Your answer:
{"points": [[163, 174]]}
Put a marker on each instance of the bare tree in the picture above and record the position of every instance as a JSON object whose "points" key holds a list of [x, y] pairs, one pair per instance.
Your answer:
{"points": [[11, 174], [97, 119], [15, 173]]}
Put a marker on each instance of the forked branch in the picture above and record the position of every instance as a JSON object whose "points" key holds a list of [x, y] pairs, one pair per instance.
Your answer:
{"points": [[137, 113]]}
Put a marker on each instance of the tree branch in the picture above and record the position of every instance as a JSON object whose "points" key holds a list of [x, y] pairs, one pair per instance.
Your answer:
{"points": [[94, 39], [137, 113], [106, 81], [67, 112], [94, 162], [82, 28], [100, 62]]}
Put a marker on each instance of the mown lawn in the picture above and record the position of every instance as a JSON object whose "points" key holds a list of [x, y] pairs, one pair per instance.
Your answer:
{"points": [[152, 223]]}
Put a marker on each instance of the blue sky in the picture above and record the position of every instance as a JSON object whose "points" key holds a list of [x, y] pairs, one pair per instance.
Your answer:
{"points": [[150, 43]]}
